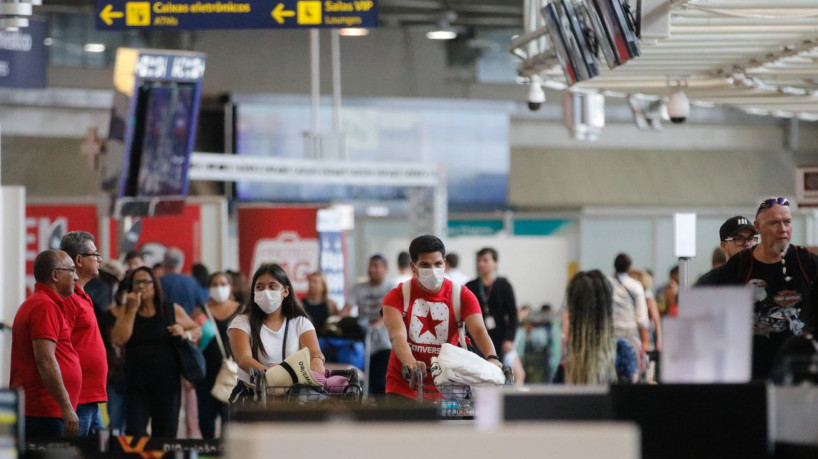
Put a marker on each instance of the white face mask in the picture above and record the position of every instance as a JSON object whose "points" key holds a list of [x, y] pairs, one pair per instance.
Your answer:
{"points": [[220, 294], [268, 300], [431, 278]]}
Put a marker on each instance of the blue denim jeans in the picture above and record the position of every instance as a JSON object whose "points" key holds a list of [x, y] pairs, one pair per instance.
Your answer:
{"points": [[116, 409], [90, 419], [42, 428]]}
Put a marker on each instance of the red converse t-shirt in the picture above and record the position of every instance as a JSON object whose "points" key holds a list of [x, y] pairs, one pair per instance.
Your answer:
{"points": [[429, 323]]}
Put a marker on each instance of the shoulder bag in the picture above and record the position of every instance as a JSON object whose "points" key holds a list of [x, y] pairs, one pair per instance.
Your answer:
{"points": [[228, 375], [191, 359]]}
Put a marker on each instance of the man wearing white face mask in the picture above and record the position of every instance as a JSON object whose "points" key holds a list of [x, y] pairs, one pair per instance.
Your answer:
{"points": [[429, 320]]}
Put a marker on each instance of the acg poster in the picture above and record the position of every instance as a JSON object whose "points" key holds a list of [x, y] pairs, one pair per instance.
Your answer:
{"points": [[283, 235]]}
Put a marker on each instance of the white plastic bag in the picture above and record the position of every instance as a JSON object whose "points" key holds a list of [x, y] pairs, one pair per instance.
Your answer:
{"points": [[460, 366]]}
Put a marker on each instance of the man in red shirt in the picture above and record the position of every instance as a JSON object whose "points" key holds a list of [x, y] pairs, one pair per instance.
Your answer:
{"points": [[43, 360], [429, 321], [85, 335]]}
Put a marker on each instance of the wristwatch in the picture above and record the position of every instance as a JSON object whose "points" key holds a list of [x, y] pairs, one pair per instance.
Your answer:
{"points": [[189, 336]]}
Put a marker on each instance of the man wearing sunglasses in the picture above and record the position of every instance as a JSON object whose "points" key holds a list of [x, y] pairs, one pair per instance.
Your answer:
{"points": [[85, 335], [781, 274], [736, 234]]}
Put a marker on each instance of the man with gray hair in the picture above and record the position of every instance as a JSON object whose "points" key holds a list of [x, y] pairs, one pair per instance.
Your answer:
{"points": [[43, 360], [85, 335], [177, 287], [780, 274]]}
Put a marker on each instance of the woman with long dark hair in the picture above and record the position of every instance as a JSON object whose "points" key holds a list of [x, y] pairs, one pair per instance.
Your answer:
{"points": [[272, 327], [146, 328], [593, 354]]}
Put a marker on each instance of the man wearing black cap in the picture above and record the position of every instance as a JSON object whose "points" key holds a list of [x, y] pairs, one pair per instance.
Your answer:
{"points": [[781, 275], [736, 234]]}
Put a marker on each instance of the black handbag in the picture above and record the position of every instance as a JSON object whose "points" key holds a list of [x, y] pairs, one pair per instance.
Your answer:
{"points": [[191, 360]]}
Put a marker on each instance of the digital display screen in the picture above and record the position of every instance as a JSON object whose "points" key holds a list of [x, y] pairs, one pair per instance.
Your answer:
{"points": [[470, 140], [165, 125]]}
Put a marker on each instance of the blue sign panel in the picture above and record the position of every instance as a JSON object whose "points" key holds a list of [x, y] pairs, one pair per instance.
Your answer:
{"points": [[332, 262], [23, 57], [236, 14]]}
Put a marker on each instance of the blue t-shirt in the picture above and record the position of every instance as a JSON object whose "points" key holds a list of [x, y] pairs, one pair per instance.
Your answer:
{"points": [[182, 290]]}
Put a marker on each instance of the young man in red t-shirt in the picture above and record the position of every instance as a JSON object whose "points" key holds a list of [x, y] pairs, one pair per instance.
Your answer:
{"points": [[429, 320], [43, 360]]}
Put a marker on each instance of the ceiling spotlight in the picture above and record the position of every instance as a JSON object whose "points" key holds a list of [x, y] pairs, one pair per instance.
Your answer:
{"points": [[441, 34], [353, 32], [444, 30], [14, 14], [94, 48]]}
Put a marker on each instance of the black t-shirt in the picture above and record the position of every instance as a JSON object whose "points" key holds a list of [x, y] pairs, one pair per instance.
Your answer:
{"points": [[318, 312], [778, 297]]}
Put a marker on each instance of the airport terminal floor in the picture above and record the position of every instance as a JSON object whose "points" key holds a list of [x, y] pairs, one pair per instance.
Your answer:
{"points": [[402, 228]]}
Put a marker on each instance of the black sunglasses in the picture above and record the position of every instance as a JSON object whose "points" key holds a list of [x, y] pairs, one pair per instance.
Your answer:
{"points": [[767, 203]]}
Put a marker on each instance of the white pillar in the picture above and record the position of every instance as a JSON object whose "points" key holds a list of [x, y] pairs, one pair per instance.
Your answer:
{"points": [[13, 267]]}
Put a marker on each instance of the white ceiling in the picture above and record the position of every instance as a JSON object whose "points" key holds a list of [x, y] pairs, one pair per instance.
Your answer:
{"points": [[760, 56]]}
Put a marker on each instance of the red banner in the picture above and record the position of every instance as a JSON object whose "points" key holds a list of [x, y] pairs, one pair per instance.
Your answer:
{"points": [[183, 231], [46, 225], [283, 235]]}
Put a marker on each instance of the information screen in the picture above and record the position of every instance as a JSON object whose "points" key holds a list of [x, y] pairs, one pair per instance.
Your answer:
{"points": [[163, 134]]}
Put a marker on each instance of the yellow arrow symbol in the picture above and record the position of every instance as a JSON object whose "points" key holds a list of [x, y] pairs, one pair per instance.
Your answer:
{"points": [[279, 13], [108, 14]]}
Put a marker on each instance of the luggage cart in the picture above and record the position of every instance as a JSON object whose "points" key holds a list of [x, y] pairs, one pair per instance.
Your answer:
{"points": [[263, 395], [453, 401]]}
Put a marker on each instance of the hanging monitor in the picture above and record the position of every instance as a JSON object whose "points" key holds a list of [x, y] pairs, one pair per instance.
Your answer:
{"points": [[152, 132]]}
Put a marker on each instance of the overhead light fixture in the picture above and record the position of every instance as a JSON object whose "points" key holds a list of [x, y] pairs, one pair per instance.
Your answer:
{"points": [[94, 48], [353, 32], [444, 30], [14, 14], [441, 34]]}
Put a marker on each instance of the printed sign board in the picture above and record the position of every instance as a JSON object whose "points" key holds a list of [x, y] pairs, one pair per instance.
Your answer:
{"points": [[23, 57], [239, 14]]}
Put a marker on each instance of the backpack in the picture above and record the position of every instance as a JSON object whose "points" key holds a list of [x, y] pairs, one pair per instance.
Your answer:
{"points": [[406, 290]]}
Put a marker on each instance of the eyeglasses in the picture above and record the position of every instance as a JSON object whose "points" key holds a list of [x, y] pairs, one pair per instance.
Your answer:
{"points": [[738, 240], [71, 270], [767, 203], [95, 255], [143, 282]]}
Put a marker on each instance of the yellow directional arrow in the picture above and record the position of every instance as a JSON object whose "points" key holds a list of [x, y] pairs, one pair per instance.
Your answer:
{"points": [[279, 13], [108, 14]]}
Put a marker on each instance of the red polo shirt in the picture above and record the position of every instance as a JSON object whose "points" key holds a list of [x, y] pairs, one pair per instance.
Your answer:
{"points": [[87, 341], [41, 316]]}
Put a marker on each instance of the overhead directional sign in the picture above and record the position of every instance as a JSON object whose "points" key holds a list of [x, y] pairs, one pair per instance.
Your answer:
{"points": [[235, 14]]}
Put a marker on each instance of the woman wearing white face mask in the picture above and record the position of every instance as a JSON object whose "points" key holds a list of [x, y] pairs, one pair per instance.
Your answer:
{"points": [[223, 308], [272, 327]]}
